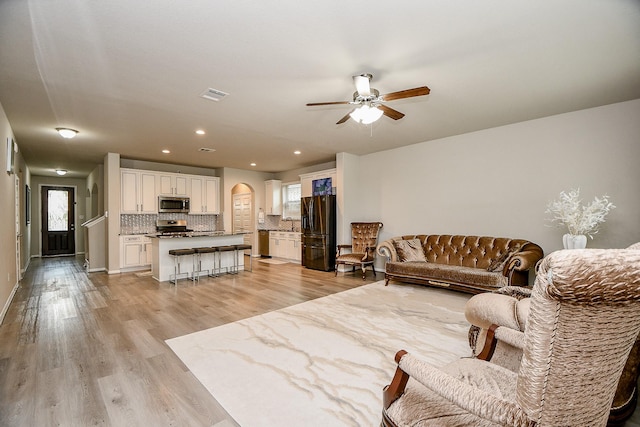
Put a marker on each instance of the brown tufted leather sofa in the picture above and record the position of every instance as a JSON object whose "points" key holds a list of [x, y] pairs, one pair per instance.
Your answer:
{"points": [[471, 264]]}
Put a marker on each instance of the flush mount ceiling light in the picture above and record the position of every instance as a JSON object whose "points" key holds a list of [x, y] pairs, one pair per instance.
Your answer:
{"points": [[253, 164], [67, 132], [165, 151], [61, 172], [296, 152], [200, 132], [366, 114]]}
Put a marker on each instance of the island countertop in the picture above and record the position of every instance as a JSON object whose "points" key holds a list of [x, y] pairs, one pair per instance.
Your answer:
{"points": [[162, 264], [195, 234]]}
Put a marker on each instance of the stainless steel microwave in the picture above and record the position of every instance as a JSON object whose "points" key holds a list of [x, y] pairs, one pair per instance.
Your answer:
{"points": [[173, 204]]}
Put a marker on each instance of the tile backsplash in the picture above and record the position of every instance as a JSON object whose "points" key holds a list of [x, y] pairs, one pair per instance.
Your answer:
{"points": [[275, 222], [143, 224]]}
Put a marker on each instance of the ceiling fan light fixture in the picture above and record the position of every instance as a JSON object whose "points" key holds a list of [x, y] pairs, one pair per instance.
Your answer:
{"points": [[67, 132], [366, 114]]}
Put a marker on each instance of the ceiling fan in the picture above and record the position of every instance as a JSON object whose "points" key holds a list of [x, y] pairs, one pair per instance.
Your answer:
{"points": [[369, 102]]}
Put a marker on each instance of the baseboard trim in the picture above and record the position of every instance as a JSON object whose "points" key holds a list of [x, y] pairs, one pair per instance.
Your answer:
{"points": [[5, 309]]}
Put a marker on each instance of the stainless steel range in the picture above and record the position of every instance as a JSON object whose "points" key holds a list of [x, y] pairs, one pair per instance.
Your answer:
{"points": [[172, 227]]}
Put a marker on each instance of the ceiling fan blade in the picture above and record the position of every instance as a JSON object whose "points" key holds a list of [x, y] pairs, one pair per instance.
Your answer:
{"points": [[313, 104], [390, 112], [418, 91], [362, 84], [345, 118]]}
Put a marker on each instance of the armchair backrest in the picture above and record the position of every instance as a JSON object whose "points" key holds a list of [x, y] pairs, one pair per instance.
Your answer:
{"points": [[583, 321], [364, 235]]}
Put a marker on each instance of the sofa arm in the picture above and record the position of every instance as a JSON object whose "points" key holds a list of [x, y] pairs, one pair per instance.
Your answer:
{"points": [[523, 261], [387, 250]]}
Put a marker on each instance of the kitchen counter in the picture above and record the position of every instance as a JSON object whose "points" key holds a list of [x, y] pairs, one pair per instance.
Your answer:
{"points": [[162, 262], [188, 234]]}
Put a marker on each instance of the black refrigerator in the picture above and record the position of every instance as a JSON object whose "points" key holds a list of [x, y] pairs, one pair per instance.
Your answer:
{"points": [[318, 218]]}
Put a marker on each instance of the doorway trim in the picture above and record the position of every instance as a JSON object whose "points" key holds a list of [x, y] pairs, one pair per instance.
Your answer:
{"points": [[75, 214]]}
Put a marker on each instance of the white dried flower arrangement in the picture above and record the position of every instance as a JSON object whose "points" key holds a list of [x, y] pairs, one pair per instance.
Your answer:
{"points": [[569, 211]]}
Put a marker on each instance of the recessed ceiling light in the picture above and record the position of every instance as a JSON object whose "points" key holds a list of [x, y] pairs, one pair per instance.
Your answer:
{"points": [[67, 133], [297, 152], [61, 172], [253, 164], [200, 132], [165, 151]]}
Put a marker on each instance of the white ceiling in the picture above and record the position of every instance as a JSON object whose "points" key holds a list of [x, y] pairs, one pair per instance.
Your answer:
{"points": [[128, 74]]}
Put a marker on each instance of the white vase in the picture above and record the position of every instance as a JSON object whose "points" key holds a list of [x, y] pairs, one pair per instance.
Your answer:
{"points": [[574, 241]]}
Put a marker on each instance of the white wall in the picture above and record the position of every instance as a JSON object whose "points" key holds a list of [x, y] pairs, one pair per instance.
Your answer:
{"points": [[8, 273], [497, 182]]}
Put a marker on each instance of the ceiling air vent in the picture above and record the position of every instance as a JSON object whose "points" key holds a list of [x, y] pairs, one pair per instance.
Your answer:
{"points": [[213, 94], [207, 150]]}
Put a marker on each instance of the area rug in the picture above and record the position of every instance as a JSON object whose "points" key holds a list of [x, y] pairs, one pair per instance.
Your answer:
{"points": [[324, 362]]}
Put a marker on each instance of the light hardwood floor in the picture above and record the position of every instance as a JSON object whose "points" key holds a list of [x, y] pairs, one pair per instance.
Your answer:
{"points": [[85, 350]]}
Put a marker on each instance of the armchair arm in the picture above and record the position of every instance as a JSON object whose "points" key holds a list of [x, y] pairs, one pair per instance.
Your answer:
{"points": [[497, 333], [468, 398]]}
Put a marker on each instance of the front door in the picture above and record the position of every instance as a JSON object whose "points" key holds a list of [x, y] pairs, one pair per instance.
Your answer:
{"points": [[58, 227]]}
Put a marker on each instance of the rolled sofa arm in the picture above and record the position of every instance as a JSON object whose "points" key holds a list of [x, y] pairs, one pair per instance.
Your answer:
{"points": [[524, 260], [387, 250]]}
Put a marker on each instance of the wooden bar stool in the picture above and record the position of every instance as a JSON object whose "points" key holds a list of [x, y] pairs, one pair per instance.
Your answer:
{"points": [[241, 249], [221, 250], [199, 252], [177, 254]]}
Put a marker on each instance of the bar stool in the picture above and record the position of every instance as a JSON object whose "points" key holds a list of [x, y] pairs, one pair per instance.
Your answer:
{"points": [[230, 248], [199, 252], [177, 254], [241, 249]]}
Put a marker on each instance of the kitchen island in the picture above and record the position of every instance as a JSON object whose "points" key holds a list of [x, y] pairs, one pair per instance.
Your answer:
{"points": [[162, 262]]}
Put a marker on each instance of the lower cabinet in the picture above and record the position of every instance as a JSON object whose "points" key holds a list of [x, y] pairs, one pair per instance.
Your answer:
{"points": [[135, 252], [283, 244]]}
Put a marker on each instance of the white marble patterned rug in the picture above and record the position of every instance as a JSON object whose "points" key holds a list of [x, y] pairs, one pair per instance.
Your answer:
{"points": [[324, 362]]}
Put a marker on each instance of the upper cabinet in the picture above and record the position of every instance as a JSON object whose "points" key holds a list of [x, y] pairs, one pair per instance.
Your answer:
{"points": [[307, 179], [140, 189], [170, 184], [273, 197], [138, 195], [205, 197]]}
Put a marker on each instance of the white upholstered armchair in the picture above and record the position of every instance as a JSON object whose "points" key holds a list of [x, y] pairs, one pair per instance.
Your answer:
{"points": [[584, 318]]}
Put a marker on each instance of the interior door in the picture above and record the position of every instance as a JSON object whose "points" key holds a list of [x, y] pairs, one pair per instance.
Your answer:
{"points": [[242, 215], [58, 226]]}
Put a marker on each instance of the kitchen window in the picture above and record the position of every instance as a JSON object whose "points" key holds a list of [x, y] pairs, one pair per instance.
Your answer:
{"points": [[291, 200]]}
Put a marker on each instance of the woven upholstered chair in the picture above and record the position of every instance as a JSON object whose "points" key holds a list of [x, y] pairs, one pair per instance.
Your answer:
{"points": [[583, 320], [509, 306], [364, 239]]}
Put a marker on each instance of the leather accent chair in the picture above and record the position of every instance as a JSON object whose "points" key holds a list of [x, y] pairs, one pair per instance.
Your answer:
{"points": [[364, 239], [584, 318]]}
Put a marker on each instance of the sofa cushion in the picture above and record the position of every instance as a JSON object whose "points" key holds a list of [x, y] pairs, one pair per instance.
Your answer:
{"points": [[446, 273], [409, 250]]}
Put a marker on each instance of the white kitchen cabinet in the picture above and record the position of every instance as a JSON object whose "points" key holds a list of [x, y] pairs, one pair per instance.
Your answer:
{"points": [[135, 252], [293, 247], [306, 180], [273, 197], [205, 194], [275, 247], [138, 192], [285, 245], [172, 184]]}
